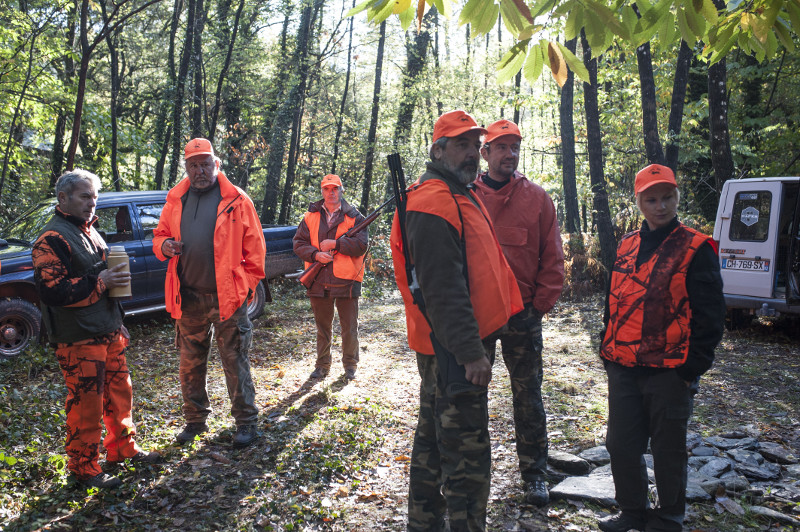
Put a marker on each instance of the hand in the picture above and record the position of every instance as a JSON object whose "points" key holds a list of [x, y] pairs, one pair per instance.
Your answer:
{"points": [[115, 277], [479, 372], [172, 248], [327, 245], [323, 257]]}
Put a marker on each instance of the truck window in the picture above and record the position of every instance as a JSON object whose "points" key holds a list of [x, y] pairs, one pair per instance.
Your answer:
{"points": [[114, 224], [750, 219], [149, 215]]}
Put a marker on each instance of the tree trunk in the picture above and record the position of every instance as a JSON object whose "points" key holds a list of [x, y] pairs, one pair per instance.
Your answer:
{"points": [[286, 112], [647, 84], [373, 123], [224, 72], [676, 108], [417, 44], [572, 222], [57, 155], [198, 92], [115, 85], [180, 86], [340, 119], [601, 211], [721, 158], [163, 130], [81, 90]]}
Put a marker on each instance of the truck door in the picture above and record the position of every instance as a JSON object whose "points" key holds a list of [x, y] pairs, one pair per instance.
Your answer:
{"points": [[793, 264], [114, 224], [148, 214], [749, 225]]}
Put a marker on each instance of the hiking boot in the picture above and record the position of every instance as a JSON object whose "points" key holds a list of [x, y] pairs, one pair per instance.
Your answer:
{"points": [[350, 374], [536, 492], [101, 481], [319, 373], [142, 457], [245, 435], [190, 431], [621, 522]]}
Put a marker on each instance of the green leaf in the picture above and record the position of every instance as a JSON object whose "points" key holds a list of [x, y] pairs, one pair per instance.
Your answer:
{"points": [[721, 52], [408, 16], [512, 19], [470, 11], [574, 23], [784, 35], [709, 11], [771, 46], [486, 18], [511, 62], [667, 33], [359, 8], [541, 7], [696, 23], [608, 17], [565, 8], [534, 64], [794, 15], [683, 26], [574, 64], [595, 34]]}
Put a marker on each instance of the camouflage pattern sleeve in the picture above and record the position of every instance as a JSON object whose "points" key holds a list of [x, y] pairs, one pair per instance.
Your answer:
{"points": [[56, 284]]}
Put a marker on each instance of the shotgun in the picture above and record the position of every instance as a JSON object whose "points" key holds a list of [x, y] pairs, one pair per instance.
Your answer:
{"points": [[452, 374], [310, 274]]}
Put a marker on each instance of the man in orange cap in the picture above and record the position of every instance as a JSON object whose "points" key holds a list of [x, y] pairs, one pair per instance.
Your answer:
{"points": [[526, 225], [466, 293], [320, 238], [664, 317], [210, 233]]}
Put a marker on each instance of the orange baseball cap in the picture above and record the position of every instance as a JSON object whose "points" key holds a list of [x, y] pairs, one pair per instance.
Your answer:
{"points": [[455, 123], [500, 129], [330, 180], [198, 146], [653, 175]]}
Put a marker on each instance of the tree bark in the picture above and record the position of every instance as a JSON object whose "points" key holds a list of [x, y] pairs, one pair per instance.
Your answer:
{"points": [[676, 108], [340, 119], [163, 130], [721, 158], [373, 123], [647, 84], [198, 87], [180, 86], [113, 53], [572, 221], [601, 210]]}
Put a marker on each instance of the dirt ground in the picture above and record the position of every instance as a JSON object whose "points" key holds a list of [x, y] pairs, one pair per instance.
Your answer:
{"points": [[335, 454]]}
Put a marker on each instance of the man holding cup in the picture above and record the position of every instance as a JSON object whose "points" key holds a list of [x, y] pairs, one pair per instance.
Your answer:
{"points": [[210, 233]]}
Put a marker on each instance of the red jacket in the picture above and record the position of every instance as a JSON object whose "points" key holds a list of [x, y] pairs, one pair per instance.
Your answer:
{"points": [[239, 248], [525, 222]]}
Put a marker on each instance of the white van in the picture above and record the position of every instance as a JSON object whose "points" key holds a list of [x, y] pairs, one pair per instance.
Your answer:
{"points": [[757, 233]]}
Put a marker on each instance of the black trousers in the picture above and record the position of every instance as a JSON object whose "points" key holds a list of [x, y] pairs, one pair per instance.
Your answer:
{"points": [[649, 404]]}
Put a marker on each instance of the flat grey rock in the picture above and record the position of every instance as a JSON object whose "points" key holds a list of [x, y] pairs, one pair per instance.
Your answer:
{"points": [[696, 493], [704, 450], [793, 471], [790, 492], [716, 467], [693, 439], [696, 462], [735, 482], [594, 488], [743, 456], [596, 455], [767, 471], [569, 463], [731, 443], [775, 452]]}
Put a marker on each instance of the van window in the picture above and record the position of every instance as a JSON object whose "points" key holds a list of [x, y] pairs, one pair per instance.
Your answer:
{"points": [[149, 215], [750, 219]]}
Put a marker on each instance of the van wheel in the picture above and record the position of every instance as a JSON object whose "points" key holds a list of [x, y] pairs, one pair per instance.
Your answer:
{"points": [[737, 318], [20, 323], [256, 306]]}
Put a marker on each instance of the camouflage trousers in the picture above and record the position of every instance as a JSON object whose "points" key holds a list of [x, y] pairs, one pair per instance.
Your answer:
{"points": [[522, 352], [451, 457], [199, 323], [99, 392]]}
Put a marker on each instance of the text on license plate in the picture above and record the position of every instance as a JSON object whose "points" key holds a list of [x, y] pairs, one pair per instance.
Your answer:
{"points": [[746, 264]]}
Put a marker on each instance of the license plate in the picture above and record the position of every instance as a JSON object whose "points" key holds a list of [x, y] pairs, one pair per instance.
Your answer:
{"points": [[746, 264]]}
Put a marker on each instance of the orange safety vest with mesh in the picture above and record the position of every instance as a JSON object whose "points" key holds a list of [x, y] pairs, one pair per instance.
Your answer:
{"points": [[493, 289], [344, 267], [649, 313]]}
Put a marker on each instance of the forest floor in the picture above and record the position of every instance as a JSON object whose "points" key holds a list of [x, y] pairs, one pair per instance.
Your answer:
{"points": [[335, 454]]}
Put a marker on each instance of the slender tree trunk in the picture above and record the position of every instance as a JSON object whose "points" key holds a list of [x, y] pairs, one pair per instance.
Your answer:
{"points": [[602, 213], [286, 112], [676, 108], [340, 119], [57, 155], [417, 45], [163, 130], [198, 92], [572, 222], [373, 123], [224, 72], [83, 71], [115, 85], [180, 86], [647, 84], [721, 158]]}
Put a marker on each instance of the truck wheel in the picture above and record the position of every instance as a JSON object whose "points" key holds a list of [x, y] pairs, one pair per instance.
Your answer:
{"points": [[20, 323], [737, 318], [256, 306]]}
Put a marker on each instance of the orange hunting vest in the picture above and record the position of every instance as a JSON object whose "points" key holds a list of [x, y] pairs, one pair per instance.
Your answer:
{"points": [[493, 288], [649, 313], [344, 267]]}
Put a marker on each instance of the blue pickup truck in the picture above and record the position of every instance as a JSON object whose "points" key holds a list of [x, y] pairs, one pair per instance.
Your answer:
{"points": [[124, 219]]}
